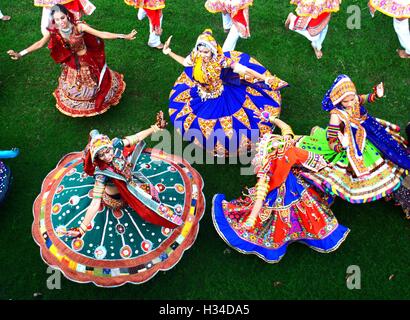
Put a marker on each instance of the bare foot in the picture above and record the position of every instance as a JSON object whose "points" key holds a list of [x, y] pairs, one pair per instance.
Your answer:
{"points": [[6, 18], [160, 46], [287, 22], [402, 53], [318, 53]]}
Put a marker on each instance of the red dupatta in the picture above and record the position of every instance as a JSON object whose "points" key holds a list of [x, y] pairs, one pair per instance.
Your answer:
{"points": [[143, 211], [61, 52]]}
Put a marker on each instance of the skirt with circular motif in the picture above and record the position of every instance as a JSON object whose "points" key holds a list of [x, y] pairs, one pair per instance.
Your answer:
{"points": [[119, 247]]}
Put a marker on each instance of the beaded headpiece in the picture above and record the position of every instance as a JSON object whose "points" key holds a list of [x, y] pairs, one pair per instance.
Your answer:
{"points": [[206, 39], [98, 142], [341, 87]]}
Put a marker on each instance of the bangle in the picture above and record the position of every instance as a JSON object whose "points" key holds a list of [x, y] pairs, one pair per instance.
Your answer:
{"points": [[83, 228], [272, 119], [121, 36], [23, 52], [166, 51], [287, 131], [134, 139]]}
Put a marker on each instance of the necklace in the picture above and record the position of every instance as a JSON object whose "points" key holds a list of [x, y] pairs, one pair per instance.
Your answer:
{"points": [[66, 32]]}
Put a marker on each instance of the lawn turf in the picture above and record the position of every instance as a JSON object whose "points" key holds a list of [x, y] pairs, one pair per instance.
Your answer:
{"points": [[379, 238]]}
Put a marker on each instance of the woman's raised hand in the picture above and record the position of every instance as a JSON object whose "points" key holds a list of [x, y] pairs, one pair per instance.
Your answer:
{"points": [[166, 49], [380, 90], [131, 35]]}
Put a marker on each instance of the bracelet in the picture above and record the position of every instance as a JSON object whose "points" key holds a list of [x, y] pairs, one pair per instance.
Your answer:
{"points": [[121, 36], [83, 228], [287, 131], [261, 190], [23, 52], [166, 51], [273, 118], [134, 139]]}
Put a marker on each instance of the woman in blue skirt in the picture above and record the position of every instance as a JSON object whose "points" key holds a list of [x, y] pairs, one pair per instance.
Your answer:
{"points": [[282, 208], [213, 101]]}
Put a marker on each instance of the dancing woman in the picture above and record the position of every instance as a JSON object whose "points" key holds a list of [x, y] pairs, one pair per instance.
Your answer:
{"points": [[235, 19], [213, 101], [153, 10], [312, 20], [86, 86], [399, 10], [118, 212], [368, 154], [282, 207]]}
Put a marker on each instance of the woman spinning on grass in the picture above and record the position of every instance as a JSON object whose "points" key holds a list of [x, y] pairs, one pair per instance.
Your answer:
{"points": [[214, 99], [118, 212], [86, 86]]}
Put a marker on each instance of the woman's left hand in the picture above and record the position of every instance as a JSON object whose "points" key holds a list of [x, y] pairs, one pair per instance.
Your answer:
{"points": [[131, 35], [262, 115], [270, 81]]}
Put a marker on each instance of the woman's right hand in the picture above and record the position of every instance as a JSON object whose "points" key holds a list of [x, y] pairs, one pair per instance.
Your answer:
{"points": [[14, 55], [166, 49], [131, 35]]}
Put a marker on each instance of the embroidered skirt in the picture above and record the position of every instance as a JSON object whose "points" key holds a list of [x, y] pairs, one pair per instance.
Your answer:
{"points": [[120, 247], [292, 212], [224, 125], [383, 176], [79, 93]]}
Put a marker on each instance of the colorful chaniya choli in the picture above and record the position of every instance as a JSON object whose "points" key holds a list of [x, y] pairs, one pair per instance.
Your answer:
{"points": [[313, 15], [374, 161], [237, 9], [147, 4], [216, 111], [119, 246], [314, 8], [86, 86], [399, 9], [153, 9], [5, 172], [292, 211]]}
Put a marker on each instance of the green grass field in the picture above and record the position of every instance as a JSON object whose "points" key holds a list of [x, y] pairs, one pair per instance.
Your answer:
{"points": [[379, 239]]}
